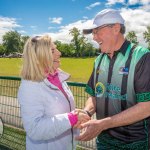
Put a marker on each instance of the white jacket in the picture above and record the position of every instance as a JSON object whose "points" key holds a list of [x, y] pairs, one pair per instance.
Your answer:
{"points": [[44, 111]]}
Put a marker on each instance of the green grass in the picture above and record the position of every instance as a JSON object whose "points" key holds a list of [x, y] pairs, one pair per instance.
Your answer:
{"points": [[13, 138], [79, 68], [10, 66]]}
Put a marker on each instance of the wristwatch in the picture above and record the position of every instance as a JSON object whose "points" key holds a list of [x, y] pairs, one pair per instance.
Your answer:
{"points": [[88, 113]]}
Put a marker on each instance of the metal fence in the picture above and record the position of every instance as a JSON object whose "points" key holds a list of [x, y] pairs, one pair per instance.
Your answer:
{"points": [[14, 134]]}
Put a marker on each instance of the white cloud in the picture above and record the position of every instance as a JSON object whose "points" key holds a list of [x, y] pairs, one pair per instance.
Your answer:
{"points": [[136, 20], [22, 31], [56, 20], [133, 2], [49, 28], [85, 18], [130, 2], [7, 24], [63, 32], [33, 27], [113, 2], [93, 5], [145, 7], [143, 2], [64, 36]]}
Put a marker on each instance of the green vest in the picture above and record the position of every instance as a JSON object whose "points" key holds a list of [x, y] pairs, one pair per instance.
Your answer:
{"points": [[110, 99]]}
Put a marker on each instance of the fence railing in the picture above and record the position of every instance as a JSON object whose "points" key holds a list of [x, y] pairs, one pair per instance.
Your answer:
{"points": [[14, 134]]}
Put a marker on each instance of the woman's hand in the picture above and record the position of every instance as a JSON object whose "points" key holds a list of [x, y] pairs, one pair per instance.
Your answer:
{"points": [[82, 117]]}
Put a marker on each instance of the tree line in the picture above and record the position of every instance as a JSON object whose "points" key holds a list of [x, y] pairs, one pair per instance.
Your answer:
{"points": [[79, 46]]}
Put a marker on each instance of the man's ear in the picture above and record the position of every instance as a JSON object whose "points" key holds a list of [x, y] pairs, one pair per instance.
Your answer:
{"points": [[117, 28]]}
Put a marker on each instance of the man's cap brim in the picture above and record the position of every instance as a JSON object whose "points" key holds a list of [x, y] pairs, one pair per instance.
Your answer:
{"points": [[90, 29], [87, 31]]}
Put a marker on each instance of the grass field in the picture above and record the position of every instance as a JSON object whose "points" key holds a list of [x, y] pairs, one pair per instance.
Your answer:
{"points": [[79, 68]]}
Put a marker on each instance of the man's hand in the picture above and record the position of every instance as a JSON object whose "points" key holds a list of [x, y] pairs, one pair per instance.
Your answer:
{"points": [[91, 129]]}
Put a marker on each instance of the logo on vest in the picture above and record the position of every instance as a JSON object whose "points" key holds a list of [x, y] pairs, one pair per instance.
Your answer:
{"points": [[99, 89], [124, 70]]}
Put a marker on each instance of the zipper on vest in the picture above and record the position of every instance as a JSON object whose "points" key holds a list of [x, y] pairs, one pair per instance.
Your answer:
{"points": [[110, 71], [70, 111]]}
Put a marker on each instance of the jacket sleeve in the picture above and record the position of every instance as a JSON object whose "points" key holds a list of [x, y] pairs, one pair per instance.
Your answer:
{"points": [[39, 126]]}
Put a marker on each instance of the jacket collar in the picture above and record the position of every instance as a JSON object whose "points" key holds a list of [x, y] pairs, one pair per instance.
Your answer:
{"points": [[124, 47], [63, 76]]}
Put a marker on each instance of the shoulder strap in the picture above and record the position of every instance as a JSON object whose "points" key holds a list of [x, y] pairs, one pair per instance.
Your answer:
{"points": [[125, 78], [97, 69]]}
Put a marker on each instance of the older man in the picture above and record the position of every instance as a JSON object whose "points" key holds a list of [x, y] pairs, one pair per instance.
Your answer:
{"points": [[119, 88]]}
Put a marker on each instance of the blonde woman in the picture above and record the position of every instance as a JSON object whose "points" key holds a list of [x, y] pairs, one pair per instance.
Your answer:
{"points": [[46, 101]]}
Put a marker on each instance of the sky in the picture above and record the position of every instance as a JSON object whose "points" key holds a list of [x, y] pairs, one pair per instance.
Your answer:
{"points": [[57, 17]]}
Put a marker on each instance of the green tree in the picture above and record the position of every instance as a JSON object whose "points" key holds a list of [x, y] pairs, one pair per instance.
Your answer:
{"points": [[90, 50], [12, 42], [67, 50], [82, 42], [79, 47], [78, 41], [146, 35], [2, 50], [23, 41], [131, 36]]}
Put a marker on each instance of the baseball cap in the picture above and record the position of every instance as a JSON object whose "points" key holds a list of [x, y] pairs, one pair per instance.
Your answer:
{"points": [[104, 17]]}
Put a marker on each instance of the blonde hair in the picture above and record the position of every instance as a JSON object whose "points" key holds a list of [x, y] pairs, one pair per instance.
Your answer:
{"points": [[37, 58]]}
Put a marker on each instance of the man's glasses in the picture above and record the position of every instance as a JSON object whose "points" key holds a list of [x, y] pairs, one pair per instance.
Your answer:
{"points": [[95, 31]]}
